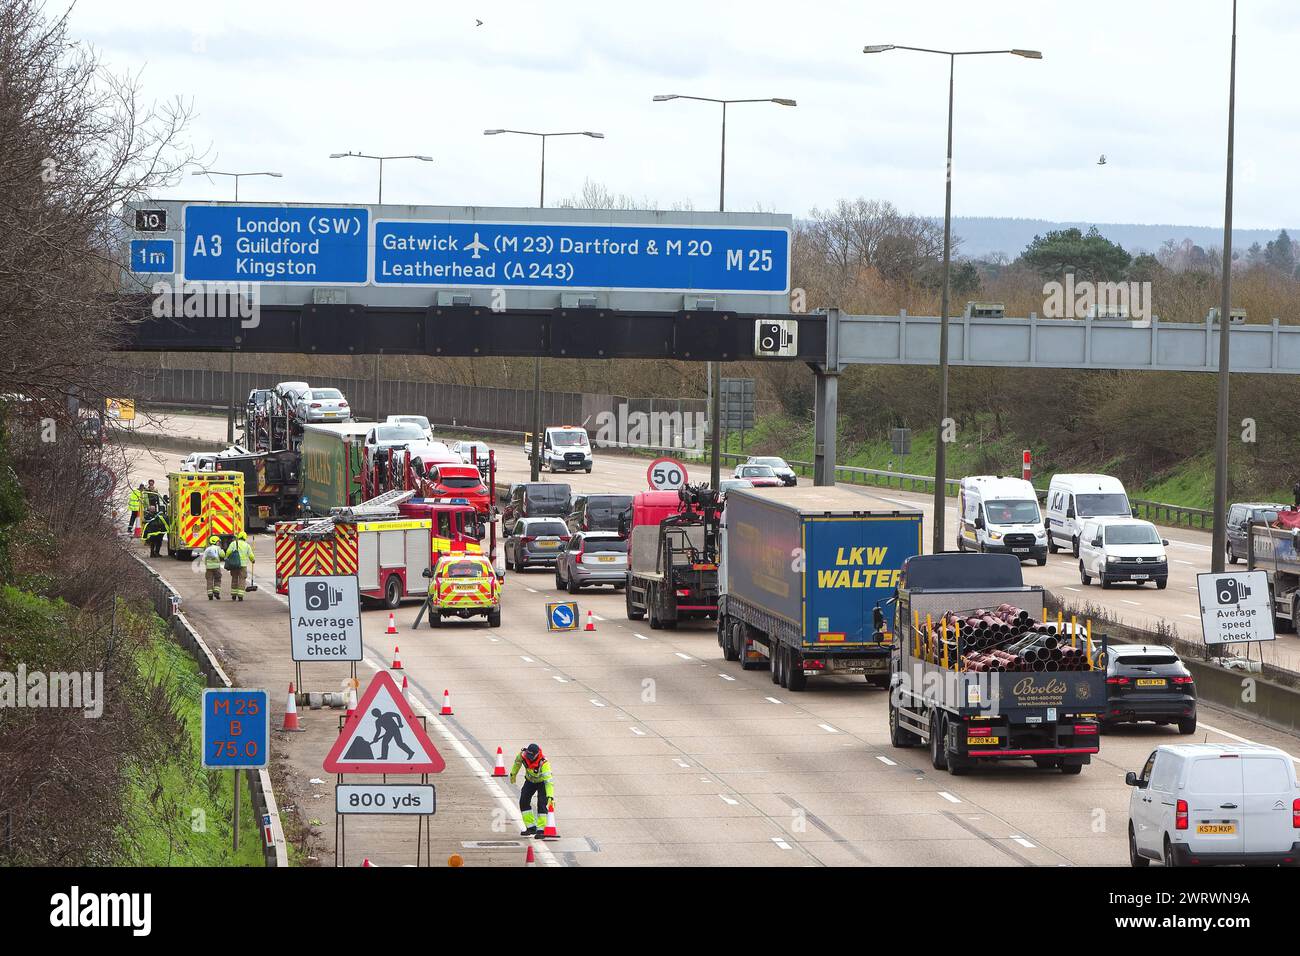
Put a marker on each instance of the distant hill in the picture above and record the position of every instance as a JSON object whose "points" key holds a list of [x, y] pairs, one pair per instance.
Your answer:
{"points": [[982, 235]]}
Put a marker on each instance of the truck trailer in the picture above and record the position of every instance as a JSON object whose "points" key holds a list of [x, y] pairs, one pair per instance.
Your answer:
{"points": [[1272, 547], [979, 675], [673, 556], [807, 574], [332, 463]]}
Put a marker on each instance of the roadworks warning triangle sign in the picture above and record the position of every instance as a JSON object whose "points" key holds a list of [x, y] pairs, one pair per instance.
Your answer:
{"points": [[384, 736]]}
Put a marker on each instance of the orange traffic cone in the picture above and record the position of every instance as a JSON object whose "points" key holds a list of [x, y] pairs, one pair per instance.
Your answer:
{"points": [[366, 863], [139, 529], [446, 703], [590, 623], [291, 713], [552, 831], [500, 769], [392, 623], [529, 859], [397, 655], [405, 694], [352, 703]]}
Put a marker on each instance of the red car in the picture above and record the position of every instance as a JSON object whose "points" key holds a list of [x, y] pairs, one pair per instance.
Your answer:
{"points": [[760, 476], [457, 481]]}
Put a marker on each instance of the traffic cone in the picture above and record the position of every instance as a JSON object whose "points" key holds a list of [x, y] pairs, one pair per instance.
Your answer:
{"points": [[405, 694], [392, 623], [291, 713], [397, 656], [139, 529], [366, 863], [591, 626], [352, 703], [446, 703], [552, 831], [530, 860], [500, 769]]}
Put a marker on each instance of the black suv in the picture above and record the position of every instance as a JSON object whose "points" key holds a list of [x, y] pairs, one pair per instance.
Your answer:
{"points": [[537, 499], [1239, 517], [1148, 682], [599, 512]]}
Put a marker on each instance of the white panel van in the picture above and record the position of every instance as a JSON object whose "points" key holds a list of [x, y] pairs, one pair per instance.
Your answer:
{"points": [[1000, 515], [1072, 499]]}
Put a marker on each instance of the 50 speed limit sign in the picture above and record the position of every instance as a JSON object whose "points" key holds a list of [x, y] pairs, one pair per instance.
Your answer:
{"points": [[666, 474]]}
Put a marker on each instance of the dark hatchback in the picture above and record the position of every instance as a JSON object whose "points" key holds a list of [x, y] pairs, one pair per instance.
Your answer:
{"points": [[1239, 517], [1148, 683]]}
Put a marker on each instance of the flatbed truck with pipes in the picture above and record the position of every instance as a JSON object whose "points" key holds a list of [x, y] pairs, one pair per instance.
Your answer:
{"points": [[978, 674], [807, 577], [1274, 548]]}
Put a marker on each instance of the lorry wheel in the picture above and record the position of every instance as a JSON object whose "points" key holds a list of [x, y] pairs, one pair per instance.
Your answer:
{"points": [[1071, 769], [938, 749], [742, 650], [898, 735], [494, 618], [777, 666], [795, 679], [633, 613], [728, 647], [392, 592]]}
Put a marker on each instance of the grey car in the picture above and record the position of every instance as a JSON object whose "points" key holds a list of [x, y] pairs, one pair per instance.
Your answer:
{"points": [[535, 542], [1239, 516], [324, 405], [592, 557]]}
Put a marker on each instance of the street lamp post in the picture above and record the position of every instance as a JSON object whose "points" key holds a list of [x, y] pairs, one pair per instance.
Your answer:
{"points": [[230, 390], [713, 371], [940, 446], [421, 158], [1219, 541], [535, 467]]}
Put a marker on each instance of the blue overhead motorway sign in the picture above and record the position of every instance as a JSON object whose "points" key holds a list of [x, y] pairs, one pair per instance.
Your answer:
{"points": [[315, 245], [560, 256]]}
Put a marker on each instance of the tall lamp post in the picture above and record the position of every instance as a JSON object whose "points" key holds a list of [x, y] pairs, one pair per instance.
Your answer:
{"points": [[1220, 539], [714, 369], [535, 467], [380, 159], [230, 391], [940, 447]]}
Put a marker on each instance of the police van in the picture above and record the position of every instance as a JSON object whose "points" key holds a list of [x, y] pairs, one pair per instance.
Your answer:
{"points": [[1001, 516]]}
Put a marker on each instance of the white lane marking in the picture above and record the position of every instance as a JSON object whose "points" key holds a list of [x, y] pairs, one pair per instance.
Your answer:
{"points": [[1127, 601], [1023, 842], [885, 760], [1194, 617], [781, 843], [1190, 588], [828, 728], [726, 676], [685, 657], [559, 678], [641, 636], [526, 659], [728, 801], [1190, 564], [1075, 590], [681, 763], [772, 699], [529, 590], [948, 796], [598, 703], [597, 616], [638, 731], [494, 640]]}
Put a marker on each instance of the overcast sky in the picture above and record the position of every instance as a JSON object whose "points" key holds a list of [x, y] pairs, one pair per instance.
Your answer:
{"points": [[280, 85]]}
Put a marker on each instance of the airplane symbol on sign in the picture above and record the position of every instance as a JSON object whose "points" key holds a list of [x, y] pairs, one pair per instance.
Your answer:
{"points": [[476, 246]]}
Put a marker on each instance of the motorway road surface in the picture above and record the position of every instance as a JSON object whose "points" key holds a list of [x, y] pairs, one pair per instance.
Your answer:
{"points": [[664, 754]]}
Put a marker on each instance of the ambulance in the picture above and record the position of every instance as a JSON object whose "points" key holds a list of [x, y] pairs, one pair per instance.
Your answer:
{"points": [[201, 505]]}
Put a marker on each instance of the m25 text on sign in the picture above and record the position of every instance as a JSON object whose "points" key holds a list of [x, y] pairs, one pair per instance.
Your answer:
{"points": [[236, 727]]}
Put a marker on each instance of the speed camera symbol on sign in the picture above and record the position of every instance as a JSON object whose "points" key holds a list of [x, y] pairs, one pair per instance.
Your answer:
{"points": [[666, 474]]}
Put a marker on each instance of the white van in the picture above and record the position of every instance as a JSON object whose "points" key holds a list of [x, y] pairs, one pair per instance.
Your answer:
{"points": [[1122, 549], [1205, 804], [564, 448], [1071, 499], [1000, 515]]}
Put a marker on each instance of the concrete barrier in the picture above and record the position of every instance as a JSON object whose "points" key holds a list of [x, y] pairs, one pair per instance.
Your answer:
{"points": [[166, 602]]}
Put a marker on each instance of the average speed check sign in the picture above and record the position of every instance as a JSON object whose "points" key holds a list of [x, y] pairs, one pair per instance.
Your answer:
{"points": [[666, 474]]}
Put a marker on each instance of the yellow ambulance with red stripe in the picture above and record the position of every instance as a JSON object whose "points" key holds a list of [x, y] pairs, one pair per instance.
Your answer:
{"points": [[201, 505], [464, 586]]}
